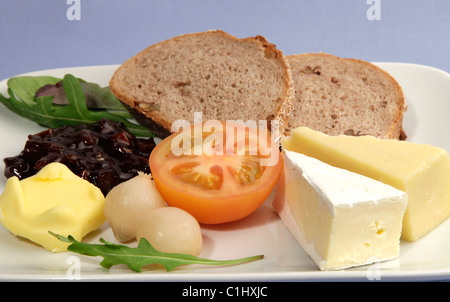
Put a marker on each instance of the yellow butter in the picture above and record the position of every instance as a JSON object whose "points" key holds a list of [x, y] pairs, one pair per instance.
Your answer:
{"points": [[420, 170], [55, 199]]}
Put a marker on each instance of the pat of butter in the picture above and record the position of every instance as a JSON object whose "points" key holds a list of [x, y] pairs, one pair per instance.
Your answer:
{"points": [[420, 170], [340, 218], [55, 199]]}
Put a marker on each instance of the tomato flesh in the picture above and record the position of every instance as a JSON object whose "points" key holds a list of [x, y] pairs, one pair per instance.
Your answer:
{"points": [[218, 187]]}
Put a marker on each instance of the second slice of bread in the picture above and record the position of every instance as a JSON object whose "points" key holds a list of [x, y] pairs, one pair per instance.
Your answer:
{"points": [[212, 72], [337, 95]]}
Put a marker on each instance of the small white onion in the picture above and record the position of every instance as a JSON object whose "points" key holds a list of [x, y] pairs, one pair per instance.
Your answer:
{"points": [[126, 200], [170, 230]]}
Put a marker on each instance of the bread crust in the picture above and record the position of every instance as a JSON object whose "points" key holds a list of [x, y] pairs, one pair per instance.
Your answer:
{"points": [[162, 127], [396, 130]]}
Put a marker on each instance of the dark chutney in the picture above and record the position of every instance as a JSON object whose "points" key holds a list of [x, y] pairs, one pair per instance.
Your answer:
{"points": [[104, 153]]}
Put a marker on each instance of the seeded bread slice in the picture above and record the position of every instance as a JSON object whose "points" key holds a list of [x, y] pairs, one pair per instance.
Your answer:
{"points": [[212, 72], [337, 95]]}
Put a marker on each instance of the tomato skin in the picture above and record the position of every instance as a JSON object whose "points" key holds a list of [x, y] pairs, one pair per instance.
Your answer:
{"points": [[231, 202], [215, 210]]}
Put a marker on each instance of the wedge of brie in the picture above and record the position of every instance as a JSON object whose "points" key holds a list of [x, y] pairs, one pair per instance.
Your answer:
{"points": [[340, 218]]}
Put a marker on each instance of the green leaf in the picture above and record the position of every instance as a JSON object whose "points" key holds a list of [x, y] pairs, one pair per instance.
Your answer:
{"points": [[25, 87], [75, 96], [143, 254], [44, 112], [98, 97]]}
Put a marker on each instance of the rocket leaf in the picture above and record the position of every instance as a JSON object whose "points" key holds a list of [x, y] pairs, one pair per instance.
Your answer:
{"points": [[136, 257], [24, 87], [96, 97], [43, 111]]}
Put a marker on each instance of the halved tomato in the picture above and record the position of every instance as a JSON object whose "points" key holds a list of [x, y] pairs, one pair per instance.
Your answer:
{"points": [[218, 173]]}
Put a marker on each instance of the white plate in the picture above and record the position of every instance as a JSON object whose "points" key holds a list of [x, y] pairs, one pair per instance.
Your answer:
{"points": [[427, 91]]}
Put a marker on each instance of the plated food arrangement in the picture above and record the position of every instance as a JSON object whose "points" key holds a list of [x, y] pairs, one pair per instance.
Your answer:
{"points": [[346, 182]]}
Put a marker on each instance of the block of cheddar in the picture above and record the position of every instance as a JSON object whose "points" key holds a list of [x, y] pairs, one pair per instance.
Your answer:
{"points": [[340, 218], [420, 170]]}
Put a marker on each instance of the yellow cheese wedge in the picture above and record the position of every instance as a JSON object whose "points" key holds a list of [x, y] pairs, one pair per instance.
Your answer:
{"points": [[420, 170], [54, 200]]}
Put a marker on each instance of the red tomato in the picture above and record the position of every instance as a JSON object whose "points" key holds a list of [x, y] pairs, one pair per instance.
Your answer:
{"points": [[218, 175]]}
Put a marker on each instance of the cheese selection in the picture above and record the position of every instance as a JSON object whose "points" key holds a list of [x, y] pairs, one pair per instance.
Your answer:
{"points": [[340, 218], [54, 199], [420, 170]]}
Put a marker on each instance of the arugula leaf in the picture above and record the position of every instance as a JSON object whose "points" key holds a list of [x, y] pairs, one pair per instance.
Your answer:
{"points": [[97, 97], [144, 254], [24, 87], [44, 112]]}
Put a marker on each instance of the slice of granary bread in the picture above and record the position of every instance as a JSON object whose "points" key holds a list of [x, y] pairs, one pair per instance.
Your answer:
{"points": [[212, 72], [337, 95]]}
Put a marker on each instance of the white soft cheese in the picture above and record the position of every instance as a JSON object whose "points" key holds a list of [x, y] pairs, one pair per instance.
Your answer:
{"points": [[340, 218]]}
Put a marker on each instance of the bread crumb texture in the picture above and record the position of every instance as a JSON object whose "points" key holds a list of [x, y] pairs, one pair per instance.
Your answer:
{"points": [[211, 72], [337, 95], [226, 78]]}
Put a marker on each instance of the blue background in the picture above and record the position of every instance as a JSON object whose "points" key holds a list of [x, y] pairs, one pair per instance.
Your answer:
{"points": [[37, 35]]}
